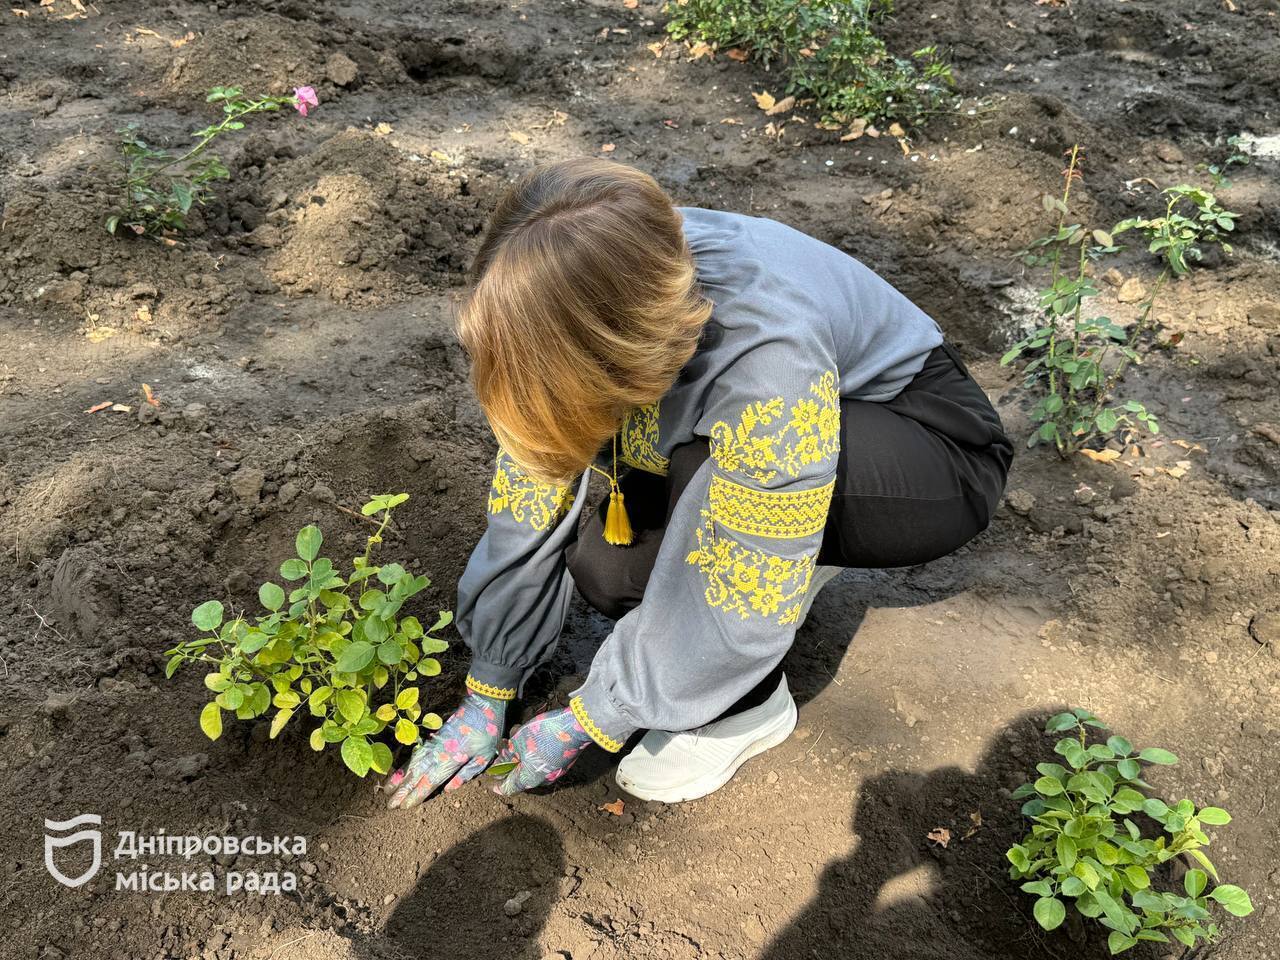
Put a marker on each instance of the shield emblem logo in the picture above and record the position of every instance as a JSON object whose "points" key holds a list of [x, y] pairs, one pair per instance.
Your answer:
{"points": [[54, 841]]}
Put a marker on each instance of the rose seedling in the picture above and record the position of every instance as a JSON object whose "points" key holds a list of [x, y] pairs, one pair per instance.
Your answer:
{"points": [[332, 647], [1099, 844], [161, 187], [1074, 362]]}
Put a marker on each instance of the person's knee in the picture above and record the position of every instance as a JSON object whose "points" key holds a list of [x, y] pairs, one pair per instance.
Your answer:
{"points": [[601, 580]]}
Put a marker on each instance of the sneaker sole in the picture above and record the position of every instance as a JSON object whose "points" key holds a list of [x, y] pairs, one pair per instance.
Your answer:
{"points": [[711, 782]]}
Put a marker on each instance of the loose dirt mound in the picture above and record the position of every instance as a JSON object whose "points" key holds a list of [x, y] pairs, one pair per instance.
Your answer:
{"points": [[358, 219]]}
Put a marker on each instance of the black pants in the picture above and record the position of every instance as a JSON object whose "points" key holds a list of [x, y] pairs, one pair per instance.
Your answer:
{"points": [[919, 476]]}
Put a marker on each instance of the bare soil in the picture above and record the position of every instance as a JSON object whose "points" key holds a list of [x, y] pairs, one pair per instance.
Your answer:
{"points": [[299, 343]]}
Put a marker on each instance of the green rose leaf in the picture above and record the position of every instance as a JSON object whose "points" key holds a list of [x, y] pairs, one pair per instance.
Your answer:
{"points": [[1158, 756], [1049, 912], [1215, 816], [406, 731], [1194, 882], [317, 739], [1119, 942], [293, 569], [211, 721], [406, 698], [271, 596], [350, 704], [1066, 850], [207, 616], [355, 658], [381, 759], [390, 651], [281, 718], [308, 542], [1048, 786], [357, 754], [1234, 900]]}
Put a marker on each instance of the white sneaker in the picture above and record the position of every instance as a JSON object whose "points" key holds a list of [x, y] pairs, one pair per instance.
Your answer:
{"points": [[673, 767], [821, 577]]}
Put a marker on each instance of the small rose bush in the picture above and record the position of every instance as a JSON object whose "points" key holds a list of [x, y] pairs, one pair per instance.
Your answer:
{"points": [[160, 187], [335, 648], [1098, 843]]}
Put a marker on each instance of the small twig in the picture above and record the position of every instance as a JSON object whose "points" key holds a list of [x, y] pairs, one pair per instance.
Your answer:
{"points": [[45, 623], [285, 946], [361, 516]]}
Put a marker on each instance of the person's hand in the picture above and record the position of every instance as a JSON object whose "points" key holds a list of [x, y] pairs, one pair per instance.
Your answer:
{"points": [[456, 753], [543, 749]]}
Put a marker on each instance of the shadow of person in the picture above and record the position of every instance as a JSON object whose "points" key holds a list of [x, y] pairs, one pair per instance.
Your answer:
{"points": [[902, 896], [459, 909]]}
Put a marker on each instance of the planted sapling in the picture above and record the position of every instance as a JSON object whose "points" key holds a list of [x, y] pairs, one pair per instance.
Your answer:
{"points": [[160, 187], [335, 645], [1099, 844], [1075, 362]]}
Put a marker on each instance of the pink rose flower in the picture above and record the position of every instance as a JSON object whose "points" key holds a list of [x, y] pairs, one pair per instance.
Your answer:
{"points": [[305, 97]]}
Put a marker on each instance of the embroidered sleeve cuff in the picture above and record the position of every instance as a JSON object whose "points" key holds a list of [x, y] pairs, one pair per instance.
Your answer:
{"points": [[494, 680], [600, 717]]}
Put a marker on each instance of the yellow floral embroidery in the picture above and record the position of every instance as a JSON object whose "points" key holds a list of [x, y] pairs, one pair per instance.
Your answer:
{"points": [[769, 513], [639, 441], [589, 725], [745, 581], [498, 693], [766, 443], [530, 501]]}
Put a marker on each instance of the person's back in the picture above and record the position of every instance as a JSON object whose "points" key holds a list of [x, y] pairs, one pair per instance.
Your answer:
{"points": [[766, 279]]}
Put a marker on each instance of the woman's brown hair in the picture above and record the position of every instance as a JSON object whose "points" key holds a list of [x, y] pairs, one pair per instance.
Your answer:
{"points": [[585, 307]]}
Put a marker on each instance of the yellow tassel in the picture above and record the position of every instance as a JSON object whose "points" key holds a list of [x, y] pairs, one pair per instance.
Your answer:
{"points": [[617, 525]]}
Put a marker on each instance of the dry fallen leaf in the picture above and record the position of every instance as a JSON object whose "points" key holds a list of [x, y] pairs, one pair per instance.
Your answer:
{"points": [[144, 314], [105, 404], [856, 129], [656, 48], [895, 130], [519, 137], [631, 4], [940, 835], [738, 54], [98, 334], [1101, 456], [121, 408], [764, 100], [976, 819], [700, 50], [440, 156], [732, 120], [383, 129], [183, 40], [19, 13], [149, 396], [782, 106], [615, 808], [608, 147]]}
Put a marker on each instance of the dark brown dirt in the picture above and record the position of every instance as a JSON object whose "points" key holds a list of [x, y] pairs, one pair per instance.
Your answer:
{"points": [[299, 342]]}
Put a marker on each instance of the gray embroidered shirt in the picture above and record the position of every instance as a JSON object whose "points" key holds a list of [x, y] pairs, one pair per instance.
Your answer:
{"points": [[796, 326]]}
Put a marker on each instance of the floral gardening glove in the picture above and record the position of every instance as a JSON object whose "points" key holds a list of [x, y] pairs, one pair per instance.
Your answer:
{"points": [[457, 752], [542, 750]]}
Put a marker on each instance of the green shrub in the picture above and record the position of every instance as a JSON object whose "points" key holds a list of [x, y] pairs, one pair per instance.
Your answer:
{"points": [[828, 51], [160, 187], [1086, 850], [340, 647], [1076, 361]]}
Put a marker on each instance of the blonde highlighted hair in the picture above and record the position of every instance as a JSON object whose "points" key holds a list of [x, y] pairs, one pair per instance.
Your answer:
{"points": [[584, 307]]}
